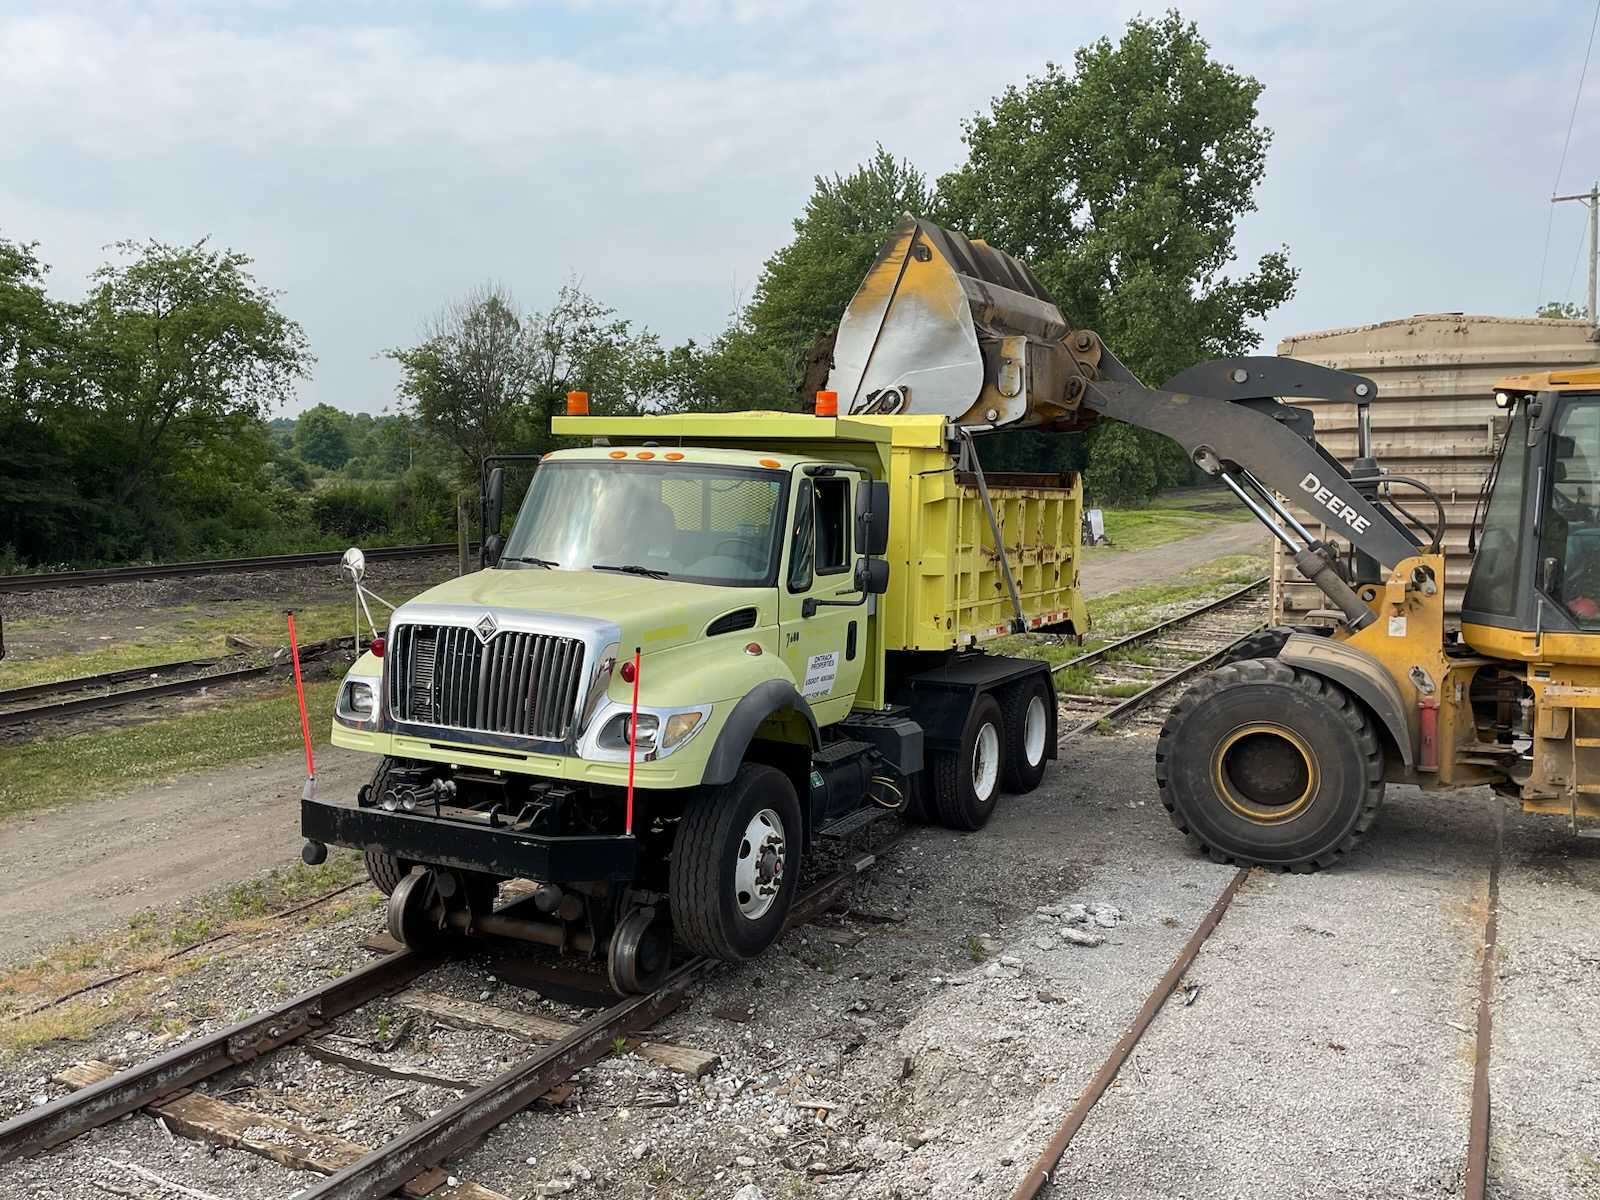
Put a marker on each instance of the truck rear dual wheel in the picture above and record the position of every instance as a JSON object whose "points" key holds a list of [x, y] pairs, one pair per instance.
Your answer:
{"points": [[1264, 765], [1025, 714], [735, 864], [965, 783]]}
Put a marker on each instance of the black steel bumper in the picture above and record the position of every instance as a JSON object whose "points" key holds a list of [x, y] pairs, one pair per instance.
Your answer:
{"points": [[469, 845]]}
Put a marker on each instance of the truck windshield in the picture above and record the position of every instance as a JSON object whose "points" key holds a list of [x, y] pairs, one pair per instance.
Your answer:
{"points": [[699, 524]]}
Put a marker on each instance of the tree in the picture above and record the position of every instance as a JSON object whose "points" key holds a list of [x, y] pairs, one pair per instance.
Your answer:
{"points": [[1122, 184], [469, 379], [806, 285], [176, 345], [580, 344], [1560, 310], [323, 435]]}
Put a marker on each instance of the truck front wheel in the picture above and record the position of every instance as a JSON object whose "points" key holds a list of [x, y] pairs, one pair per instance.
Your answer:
{"points": [[385, 870], [735, 864]]}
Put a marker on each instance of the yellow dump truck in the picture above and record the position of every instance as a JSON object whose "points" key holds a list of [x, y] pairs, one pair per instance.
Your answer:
{"points": [[708, 642]]}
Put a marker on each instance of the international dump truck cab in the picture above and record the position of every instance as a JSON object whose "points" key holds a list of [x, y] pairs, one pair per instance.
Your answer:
{"points": [[708, 643]]}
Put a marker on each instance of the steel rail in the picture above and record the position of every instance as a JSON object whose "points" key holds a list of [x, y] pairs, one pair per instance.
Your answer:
{"points": [[428, 1143], [215, 566], [1476, 1183], [1160, 627], [1038, 1177], [154, 691], [76, 1113], [1139, 699]]}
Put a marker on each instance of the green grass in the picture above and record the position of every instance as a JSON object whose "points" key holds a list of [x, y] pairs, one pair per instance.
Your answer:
{"points": [[1141, 528], [197, 633], [90, 765], [146, 947], [1125, 612]]}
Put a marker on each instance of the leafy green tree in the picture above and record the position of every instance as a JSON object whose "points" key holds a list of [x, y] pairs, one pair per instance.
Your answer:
{"points": [[1560, 310], [178, 343], [323, 435], [1122, 184], [805, 286], [580, 344], [469, 379]]}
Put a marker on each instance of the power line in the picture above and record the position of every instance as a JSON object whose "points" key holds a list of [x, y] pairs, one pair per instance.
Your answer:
{"points": [[1566, 144]]}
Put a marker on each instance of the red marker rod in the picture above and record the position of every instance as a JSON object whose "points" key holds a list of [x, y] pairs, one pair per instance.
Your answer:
{"points": [[633, 740], [300, 693]]}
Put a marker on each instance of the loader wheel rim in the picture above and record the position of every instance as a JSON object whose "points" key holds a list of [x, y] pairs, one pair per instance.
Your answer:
{"points": [[758, 865], [1265, 773], [986, 761], [1035, 725]]}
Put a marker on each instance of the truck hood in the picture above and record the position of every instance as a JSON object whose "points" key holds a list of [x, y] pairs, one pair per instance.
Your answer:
{"points": [[652, 613]]}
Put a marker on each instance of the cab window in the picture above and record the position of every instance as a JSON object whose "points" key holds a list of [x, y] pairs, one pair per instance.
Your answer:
{"points": [[833, 525], [1570, 533], [1493, 585], [802, 540]]}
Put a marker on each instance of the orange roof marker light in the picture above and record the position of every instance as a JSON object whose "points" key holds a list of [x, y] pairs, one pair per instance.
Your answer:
{"points": [[619, 454], [577, 404], [827, 404], [770, 462], [672, 456], [645, 454]]}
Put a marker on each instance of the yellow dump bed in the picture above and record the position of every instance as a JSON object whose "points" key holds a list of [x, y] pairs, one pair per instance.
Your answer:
{"points": [[946, 586]]}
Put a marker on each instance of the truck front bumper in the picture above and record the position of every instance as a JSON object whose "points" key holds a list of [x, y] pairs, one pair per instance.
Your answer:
{"points": [[470, 845]]}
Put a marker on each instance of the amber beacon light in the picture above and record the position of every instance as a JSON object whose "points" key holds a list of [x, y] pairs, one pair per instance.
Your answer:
{"points": [[827, 404], [577, 404]]}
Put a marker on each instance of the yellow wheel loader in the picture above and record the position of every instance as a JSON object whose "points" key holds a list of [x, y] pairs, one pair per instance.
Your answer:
{"points": [[1280, 757]]}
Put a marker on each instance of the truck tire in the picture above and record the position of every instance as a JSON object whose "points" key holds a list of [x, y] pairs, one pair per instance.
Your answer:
{"points": [[735, 864], [1025, 717], [966, 782], [385, 870], [1263, 765]]}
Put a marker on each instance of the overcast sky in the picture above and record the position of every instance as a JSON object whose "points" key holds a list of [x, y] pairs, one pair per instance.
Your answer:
{"points": [[379, 159]]}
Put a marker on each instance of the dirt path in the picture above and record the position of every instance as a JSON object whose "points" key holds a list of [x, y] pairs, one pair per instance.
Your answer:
{"points": [[1106, 571], [86, 868]]}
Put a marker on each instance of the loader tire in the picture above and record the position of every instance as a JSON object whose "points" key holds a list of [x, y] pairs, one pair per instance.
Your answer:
{"points": [[1260, 764], [966, 782], [385, 870], [725, 899], [1027, 715]]}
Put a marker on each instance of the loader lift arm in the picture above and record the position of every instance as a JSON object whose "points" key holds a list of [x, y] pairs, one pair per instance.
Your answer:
{"points": [[943, 324]]}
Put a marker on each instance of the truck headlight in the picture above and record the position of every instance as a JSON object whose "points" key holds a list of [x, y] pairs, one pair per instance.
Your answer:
{"points": [[661, 732], [679, 726], [358, 701]]}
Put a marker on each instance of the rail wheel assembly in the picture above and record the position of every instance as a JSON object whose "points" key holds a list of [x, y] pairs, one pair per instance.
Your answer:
{"points": [[640, 952], [1264, 765], [422, 903]]}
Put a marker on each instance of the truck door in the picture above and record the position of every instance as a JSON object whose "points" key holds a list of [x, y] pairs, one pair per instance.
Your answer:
{"points": [[827, 648]]}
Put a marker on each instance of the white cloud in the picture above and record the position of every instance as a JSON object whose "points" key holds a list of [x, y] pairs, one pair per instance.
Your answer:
{"points": [[661, 148]]}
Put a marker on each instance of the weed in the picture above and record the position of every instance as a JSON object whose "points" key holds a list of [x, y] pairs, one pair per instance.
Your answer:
{"points": [[383, 1026], [975, 950], [619, 1044]]}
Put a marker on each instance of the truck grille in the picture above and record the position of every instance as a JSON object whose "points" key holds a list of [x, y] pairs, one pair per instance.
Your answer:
{"points": [[524, 684]]}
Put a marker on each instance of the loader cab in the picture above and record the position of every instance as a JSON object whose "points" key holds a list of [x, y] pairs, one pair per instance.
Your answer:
{"points": [[1536, 571]]}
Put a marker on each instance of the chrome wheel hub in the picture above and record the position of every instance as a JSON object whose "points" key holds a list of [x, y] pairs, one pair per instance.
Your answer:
{"points": [[758, 868]]}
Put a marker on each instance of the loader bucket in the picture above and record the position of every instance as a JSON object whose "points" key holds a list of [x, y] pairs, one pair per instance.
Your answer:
{"points": [[955, 327]]}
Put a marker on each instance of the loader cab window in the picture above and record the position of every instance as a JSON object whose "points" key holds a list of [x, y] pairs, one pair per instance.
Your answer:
{"points": [[1493, 585], [1569, 537]]}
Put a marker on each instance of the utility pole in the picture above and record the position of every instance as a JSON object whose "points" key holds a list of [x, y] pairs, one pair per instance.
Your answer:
{"points": [[1591, 199]]}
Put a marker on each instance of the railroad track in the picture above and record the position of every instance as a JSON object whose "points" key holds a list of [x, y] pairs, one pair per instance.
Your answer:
{"points": [[50, 580], [411, 1161], [41, 703], [1121, 679]]}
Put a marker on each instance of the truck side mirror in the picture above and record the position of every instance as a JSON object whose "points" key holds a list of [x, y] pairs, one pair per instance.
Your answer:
{"points": [[872, 576], [872, 517], [494, 501]]}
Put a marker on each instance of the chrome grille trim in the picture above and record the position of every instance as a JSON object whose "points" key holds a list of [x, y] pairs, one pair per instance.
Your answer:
{"points": [[520, 683]]}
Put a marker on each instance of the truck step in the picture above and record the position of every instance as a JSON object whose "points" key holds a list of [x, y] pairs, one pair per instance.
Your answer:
{"points": [[835, 752], [853, 822]]}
